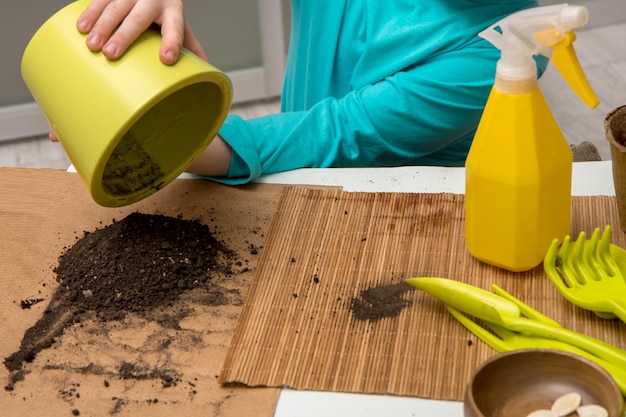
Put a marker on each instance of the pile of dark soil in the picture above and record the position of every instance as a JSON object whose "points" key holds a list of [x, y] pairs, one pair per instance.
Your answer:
{"points": [[380, 302], [139, 263], [134, 265]]}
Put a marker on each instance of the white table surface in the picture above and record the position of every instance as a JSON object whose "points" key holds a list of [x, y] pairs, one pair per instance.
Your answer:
{"points": [[588, 178]]}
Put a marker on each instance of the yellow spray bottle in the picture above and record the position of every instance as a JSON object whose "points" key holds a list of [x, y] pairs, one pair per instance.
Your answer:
{"points": [[519, 168]]}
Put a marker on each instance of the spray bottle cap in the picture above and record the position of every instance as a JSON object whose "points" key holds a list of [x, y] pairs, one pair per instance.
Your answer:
{"points": [[546, 31]]}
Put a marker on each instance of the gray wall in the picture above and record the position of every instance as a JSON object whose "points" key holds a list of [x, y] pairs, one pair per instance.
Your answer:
{"points": [[601, 12], [227, 29], [19, 19]]}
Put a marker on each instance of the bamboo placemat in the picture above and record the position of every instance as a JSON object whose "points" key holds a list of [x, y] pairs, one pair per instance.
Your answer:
{"points": [[325, 247]]}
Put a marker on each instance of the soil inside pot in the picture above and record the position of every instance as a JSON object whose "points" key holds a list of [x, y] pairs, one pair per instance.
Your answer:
{"points": [[136, 265], [616, 124], [130, 168]]}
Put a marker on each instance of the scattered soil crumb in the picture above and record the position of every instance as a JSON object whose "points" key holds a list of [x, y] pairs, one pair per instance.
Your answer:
{"points": [[27, 304], [138, 265], [380, 302], [168, 377]]}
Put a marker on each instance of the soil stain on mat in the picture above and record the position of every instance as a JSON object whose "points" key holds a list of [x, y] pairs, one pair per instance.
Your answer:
{"points": [[137, 265], [377, 303]]}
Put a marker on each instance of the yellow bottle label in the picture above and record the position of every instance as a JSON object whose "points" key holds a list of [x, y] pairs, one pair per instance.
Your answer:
{"points": [[518, 182]]}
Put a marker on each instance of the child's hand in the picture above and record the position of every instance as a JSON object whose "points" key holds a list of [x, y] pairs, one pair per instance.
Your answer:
{"points": [[133, 17]]}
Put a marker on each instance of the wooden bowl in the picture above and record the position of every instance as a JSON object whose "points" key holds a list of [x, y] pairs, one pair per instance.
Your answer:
{"points": [[516, 383]]}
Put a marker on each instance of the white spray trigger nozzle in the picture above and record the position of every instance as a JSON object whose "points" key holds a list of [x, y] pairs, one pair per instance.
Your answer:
{"points": [[574, 17], [546, 31]]}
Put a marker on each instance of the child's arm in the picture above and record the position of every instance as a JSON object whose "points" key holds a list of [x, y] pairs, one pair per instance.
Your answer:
{"points": [[215, 161], [425, 115]]}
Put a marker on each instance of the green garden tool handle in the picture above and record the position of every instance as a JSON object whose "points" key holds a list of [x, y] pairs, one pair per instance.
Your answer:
{"points": [[517, 342], [602, 350], [619, 308], [492, 308]]}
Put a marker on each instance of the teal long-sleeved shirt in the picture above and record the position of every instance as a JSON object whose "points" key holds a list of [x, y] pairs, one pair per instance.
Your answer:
{"points": [[375, 83]]}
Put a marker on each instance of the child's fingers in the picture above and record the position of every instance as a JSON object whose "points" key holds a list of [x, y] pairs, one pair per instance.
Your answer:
{"points": [[90, 15], [172, 32], [135, 19], [113, 25], [106, 23]]}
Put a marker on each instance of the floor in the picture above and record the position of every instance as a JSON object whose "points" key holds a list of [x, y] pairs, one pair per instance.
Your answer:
{"points": [[601, 52]]}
